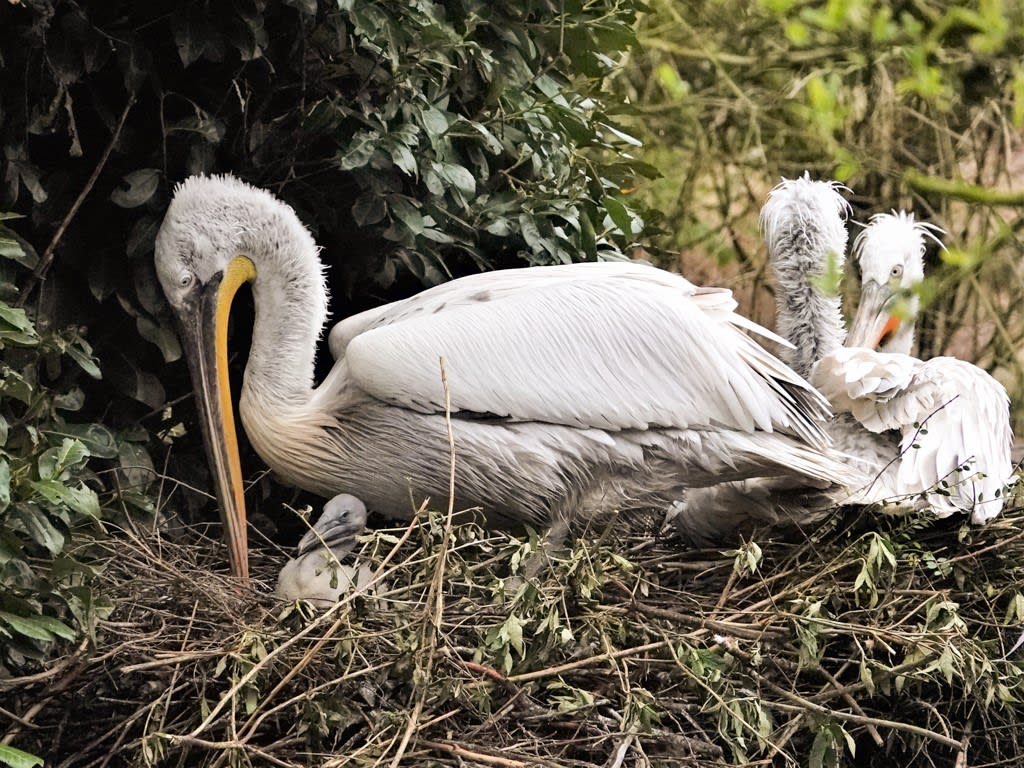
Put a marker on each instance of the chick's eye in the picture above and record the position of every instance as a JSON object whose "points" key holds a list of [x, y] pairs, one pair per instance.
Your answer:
{"points": [[897, 271], [185, 279]]}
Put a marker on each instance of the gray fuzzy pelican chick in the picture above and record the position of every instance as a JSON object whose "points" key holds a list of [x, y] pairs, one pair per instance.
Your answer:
{"points": [[322, 571]]}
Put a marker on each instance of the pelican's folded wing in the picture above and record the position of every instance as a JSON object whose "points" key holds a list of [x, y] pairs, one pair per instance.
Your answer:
{"points": [[623, 348], [954, 420], [957, 438]]}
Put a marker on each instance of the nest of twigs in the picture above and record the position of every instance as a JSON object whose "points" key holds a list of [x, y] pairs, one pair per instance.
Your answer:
{"points": [[871, 641]]}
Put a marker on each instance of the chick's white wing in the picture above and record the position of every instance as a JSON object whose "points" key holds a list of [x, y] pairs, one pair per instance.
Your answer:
{"points": [[617, 350], [956, 438], [869, 385]]}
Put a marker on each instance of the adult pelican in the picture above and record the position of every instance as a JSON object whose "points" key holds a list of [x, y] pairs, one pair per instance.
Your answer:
{"points": [[953, 418], [584, 388]]}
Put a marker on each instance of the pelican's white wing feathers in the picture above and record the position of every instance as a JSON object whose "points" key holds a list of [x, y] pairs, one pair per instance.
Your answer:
{"points": [[584, 345], [950, 414], [964, 440], [864, 382]]}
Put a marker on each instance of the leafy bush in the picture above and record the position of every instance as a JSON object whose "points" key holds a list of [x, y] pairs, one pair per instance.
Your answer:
{"points": [[419, 140], [47, 483]]}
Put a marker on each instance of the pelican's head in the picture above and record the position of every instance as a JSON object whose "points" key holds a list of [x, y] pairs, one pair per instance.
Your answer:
{"points": [[890, 252], [343, 518], [804, 224], [219, 233]]}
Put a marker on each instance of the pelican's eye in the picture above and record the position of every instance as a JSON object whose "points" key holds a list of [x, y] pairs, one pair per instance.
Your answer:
{"points": [[897, 271], [185, 280]]}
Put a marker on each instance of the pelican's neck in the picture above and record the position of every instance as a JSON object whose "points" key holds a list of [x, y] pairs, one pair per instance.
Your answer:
{"points": [[803, 226], [809, 318], [290, 302]]}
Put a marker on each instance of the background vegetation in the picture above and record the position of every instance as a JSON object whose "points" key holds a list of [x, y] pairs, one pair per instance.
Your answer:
{"points": [[917, 105], [420, 141]]}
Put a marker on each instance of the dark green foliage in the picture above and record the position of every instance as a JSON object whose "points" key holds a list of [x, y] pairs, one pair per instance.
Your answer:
{"points": [[418, 141], [47, 484]]}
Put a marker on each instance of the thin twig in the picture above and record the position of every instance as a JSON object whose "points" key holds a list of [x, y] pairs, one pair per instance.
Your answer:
{"points": [[540, 674], [436, 587], [46, 260], [852, 702], [468, 754], [59, 687]]}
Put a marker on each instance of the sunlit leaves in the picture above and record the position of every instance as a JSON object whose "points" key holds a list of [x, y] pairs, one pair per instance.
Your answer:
{"points": [[16, 758]]}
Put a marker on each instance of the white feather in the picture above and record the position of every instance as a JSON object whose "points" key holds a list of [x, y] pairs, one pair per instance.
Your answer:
{"points": [[949, 414]]}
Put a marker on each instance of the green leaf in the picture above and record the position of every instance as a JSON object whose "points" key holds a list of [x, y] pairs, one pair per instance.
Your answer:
{"points": [[69, 454], [15, 758], [140, 239], [72, 400], [96, 439], [137, 470], [138, 384], [55, 627], [434, 122], [39, 528], [5, 485], [359, 151], [618, 214], [457, 176], [80, 351], [10, 248], [15, 326], [369, 208], [136, 188], [81, 498], [404, 159], [15, 385], [822, 745], [512, 632], [27, 626], [160, 334], [407, 213]]}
